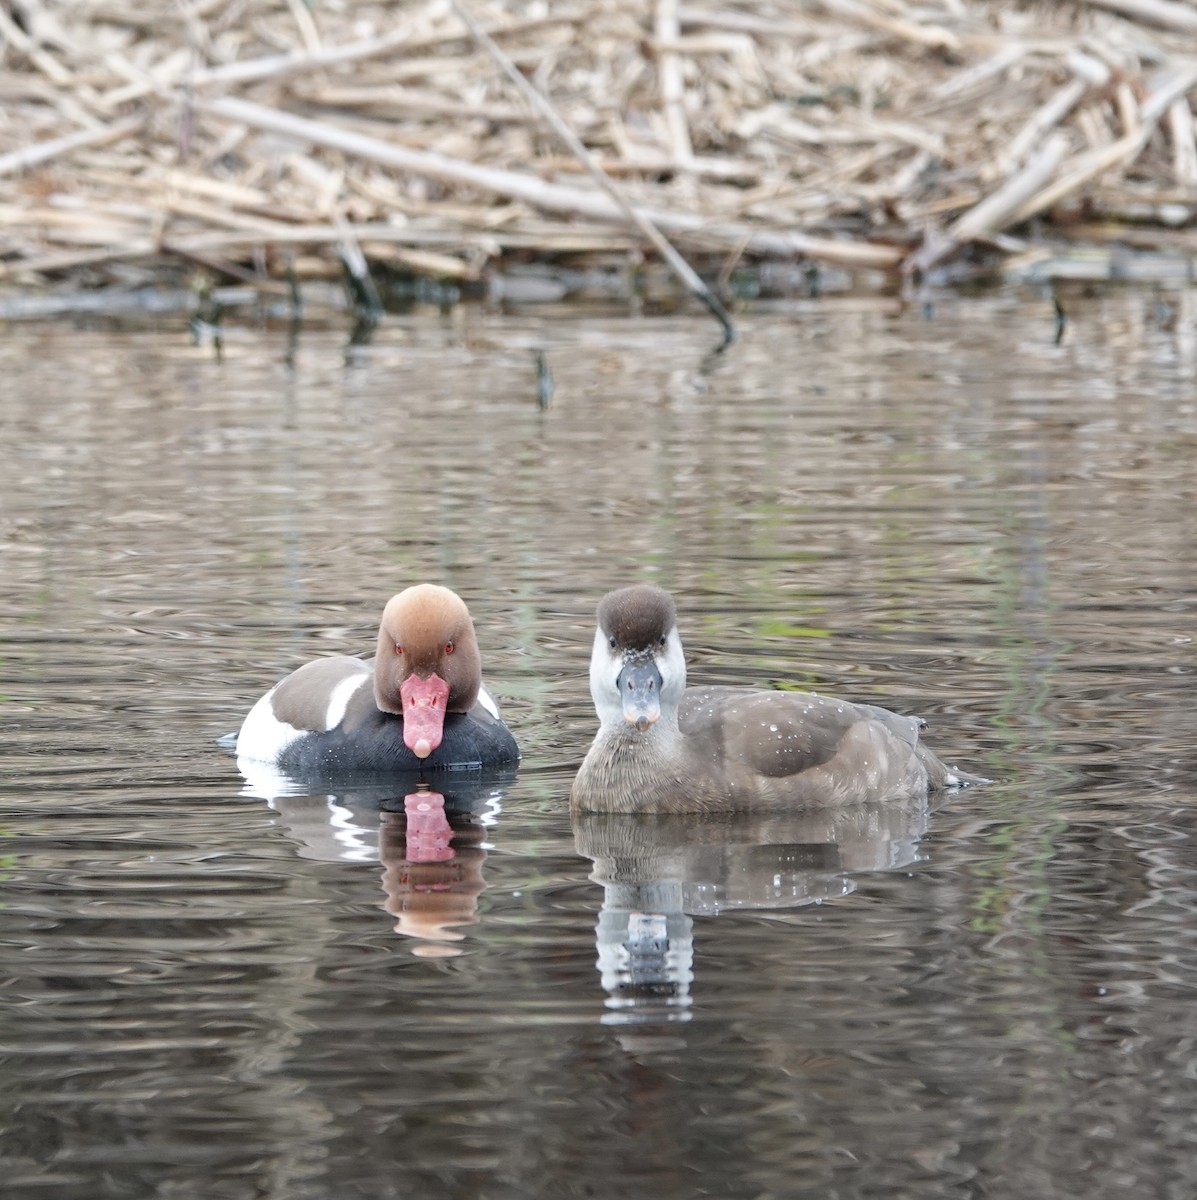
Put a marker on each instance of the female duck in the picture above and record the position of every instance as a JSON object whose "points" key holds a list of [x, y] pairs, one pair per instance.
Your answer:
{"points": [[663, 748], [418, 705]]}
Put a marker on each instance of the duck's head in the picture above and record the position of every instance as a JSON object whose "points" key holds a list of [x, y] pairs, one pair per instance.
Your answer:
{"points": [[637, 668], [428, 663]]}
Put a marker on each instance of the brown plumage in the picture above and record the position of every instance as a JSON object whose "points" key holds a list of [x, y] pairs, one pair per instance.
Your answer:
{"points": [[664, 748], [427, 630]]}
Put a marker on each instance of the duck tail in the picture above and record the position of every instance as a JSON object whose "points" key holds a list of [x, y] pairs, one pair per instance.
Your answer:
{"points": [[941, 777]]}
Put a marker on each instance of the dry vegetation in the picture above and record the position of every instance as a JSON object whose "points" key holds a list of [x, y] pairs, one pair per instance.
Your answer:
{"points": [[255, 138]]}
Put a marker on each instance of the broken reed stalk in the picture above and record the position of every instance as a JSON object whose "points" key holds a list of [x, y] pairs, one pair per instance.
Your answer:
{"points": [[1165, 13], [1036, 186], [14, 35], [1092, 163], [1087, 73], [680, 267], [994, 212], [1184, 141], [41, 152], [672, 82], [255, 69], [920, 35]]}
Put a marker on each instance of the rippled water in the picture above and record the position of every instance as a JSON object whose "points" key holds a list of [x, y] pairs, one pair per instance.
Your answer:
{"points": [[210, 991]]}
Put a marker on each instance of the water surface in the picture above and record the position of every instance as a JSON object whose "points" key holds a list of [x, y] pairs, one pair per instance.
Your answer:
{"points": [[214, 990]]}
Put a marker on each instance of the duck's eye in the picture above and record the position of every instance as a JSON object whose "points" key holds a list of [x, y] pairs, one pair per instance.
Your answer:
{"points": [[662, 640], [611, 641], [398, 648], [449, 647]]}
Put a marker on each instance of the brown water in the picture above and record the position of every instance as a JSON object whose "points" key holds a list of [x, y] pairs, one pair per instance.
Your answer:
{"points": [[207, 993]]}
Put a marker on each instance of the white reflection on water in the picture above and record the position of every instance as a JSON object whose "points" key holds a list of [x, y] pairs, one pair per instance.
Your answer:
{"points": [[659, 872], [431, 844]]}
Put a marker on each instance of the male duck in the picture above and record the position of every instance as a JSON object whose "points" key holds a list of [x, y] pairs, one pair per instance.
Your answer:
{"points": [[418, 705], [663, 748]]}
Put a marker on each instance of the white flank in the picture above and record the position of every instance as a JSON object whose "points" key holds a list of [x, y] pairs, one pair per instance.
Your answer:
{"points": [[263, 736], [488, 702]]}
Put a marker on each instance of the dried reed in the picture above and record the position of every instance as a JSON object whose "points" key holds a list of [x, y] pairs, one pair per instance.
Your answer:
{"points": [[247, 135]]}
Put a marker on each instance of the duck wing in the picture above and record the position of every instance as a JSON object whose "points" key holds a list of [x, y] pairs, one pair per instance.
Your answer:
{"points": [[314, 697], [819, 749]]}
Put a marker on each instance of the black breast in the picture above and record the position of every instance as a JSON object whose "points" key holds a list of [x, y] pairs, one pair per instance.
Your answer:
{"points": [[373, 742]]}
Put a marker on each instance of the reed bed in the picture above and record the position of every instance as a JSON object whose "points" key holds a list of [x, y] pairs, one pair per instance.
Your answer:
{"points": [[269, 141]]}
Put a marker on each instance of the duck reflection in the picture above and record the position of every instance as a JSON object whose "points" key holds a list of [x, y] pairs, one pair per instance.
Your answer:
{"points": [[430, 835], [659, 872], [432, 869]]}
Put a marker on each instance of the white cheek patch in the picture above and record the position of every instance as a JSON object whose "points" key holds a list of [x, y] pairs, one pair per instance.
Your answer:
{"points": [[263, 736], [338, 700], [605, 666], [672, 665], [488, 702]]}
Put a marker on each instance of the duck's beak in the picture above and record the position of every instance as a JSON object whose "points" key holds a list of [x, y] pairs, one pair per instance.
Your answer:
{"points": [[423, 713], [640, 689]]}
